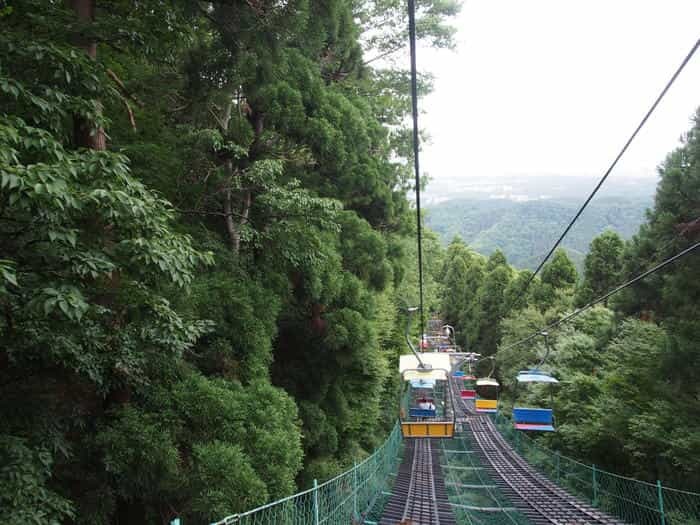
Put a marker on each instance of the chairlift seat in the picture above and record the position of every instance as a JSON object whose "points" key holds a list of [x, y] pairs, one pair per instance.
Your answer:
{"points": [[421, 412], [468, 394], [537, 419], [486, 406]]}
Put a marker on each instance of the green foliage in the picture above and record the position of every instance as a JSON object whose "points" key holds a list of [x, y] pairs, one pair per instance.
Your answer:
{"points": [[525, 231], [141, 457], [206, 246], [24, 495], [559, 272], [602, 267], [627, 398], [224, 481]]}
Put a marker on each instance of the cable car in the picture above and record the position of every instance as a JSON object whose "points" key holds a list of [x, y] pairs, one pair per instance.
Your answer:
{"points": [[535, 419]]}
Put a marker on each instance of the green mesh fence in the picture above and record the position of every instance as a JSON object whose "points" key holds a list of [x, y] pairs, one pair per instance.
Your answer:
{"points": [[360, 494], [356, 495], [631, 500], [473, 494]]}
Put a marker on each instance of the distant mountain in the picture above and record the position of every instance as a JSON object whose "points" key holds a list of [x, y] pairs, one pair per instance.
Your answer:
{"points": [[525, 231]]}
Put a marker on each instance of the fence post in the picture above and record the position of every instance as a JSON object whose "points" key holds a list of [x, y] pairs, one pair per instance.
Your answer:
{"points": [[595, 487], [557, 466], [660, 493], [354, 489], [316, 520]]}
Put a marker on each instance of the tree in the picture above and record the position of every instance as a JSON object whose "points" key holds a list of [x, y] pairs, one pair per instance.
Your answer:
{"points": [[91, 256], [207, 242], [559, 272], [492, 305], [602, 267]]}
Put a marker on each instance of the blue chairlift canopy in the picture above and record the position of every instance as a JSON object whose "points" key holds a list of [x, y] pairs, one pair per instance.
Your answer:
{"points": [[535, 376], [422, 383]]}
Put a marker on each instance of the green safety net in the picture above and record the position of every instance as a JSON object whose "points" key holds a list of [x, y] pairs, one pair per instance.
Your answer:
{"points": [[628, 499], [360, 494], [474, 496], [355, 496]]}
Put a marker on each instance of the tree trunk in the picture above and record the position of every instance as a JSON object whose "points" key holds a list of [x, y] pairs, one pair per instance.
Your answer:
{"points": [[87, 134], [233, 226], [235, 220]]}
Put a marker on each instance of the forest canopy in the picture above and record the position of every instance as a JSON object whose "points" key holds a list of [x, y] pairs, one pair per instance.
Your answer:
{"points": [[207, 247]]}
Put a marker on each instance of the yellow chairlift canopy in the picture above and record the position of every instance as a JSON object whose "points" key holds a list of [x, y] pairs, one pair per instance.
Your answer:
{"points": [[438, 366]]}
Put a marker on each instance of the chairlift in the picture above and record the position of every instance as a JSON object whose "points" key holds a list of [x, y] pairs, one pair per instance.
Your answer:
{"points": [[487, 392], [535, 419], [426, 408]]}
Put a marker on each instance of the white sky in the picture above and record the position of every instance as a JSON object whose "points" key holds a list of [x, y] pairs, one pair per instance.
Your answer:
{"points": [[557, 87]]}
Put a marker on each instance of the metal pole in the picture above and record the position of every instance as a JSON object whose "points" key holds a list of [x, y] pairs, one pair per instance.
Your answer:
{"points": [[660, 493], [354, 489], [595, 487], [316, 518], [408, 338], [416, 164]]}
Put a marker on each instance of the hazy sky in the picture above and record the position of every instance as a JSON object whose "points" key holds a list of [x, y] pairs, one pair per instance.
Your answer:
{"points": [[557, 87]]}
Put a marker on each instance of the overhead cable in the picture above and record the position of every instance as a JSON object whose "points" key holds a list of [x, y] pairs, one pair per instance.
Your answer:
{"points": [[416, 164], [607, 172], [602, 298]]}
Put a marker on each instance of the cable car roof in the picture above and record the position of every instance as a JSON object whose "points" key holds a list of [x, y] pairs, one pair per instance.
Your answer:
{"points": [[487, 381], [438, 366], [535, 376]]}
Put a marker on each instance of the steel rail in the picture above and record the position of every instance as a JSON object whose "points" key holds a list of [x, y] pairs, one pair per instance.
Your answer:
{"points": [[539, 499], [419, 495]]}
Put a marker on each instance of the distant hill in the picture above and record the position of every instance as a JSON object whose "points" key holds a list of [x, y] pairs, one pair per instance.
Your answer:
{"points": [[525, 231]]}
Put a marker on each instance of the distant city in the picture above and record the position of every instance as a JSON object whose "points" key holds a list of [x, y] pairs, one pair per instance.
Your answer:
{"points": [[535, 187]]}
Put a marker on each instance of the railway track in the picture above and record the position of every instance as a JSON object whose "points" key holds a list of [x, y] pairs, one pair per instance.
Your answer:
{"points": [[419, 496], [540, 500]]}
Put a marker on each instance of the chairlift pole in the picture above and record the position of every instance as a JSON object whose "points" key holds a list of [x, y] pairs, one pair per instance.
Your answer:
{"points": [[408, 338], [544, 334]]}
